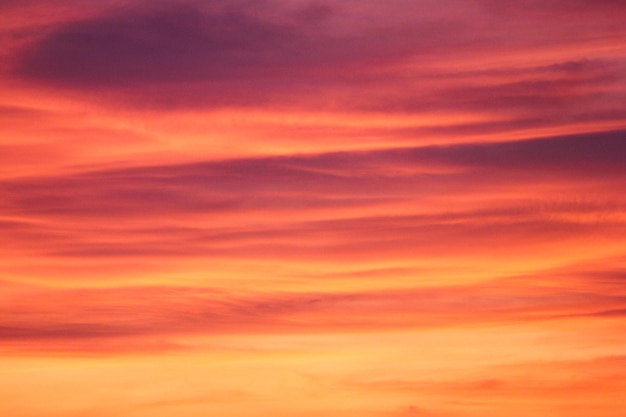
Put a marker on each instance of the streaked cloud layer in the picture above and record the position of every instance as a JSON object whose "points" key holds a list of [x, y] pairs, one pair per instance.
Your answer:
{"points": [[294, 208]]}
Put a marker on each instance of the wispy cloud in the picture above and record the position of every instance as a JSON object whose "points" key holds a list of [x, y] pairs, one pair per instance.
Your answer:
{"points": [[294, 208]]}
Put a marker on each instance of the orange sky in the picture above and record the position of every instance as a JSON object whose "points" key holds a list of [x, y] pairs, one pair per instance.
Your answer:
{"points": [[297, 208]]}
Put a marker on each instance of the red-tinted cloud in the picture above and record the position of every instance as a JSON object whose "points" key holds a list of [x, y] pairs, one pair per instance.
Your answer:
{"points": [[295, 208]]}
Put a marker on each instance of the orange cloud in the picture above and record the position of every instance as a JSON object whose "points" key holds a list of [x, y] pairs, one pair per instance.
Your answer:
{"points": [[296, 208]]}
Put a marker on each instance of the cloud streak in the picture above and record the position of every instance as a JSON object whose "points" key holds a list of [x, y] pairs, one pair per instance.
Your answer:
{"points": [[294, 208]]}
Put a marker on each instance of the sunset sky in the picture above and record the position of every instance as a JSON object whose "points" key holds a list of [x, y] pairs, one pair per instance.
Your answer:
{"points": [[290, 208]]}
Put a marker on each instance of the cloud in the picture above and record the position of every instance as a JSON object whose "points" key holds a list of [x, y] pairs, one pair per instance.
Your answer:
{"points": [[177, 55], [317, 55], [553, 382], [569, 7], [141, 212], [59, 316], [586, 90], [173, 43], [343, 178]]}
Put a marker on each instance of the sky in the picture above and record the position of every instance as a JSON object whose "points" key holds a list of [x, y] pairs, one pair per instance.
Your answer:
{"points": [[293, 208]]}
